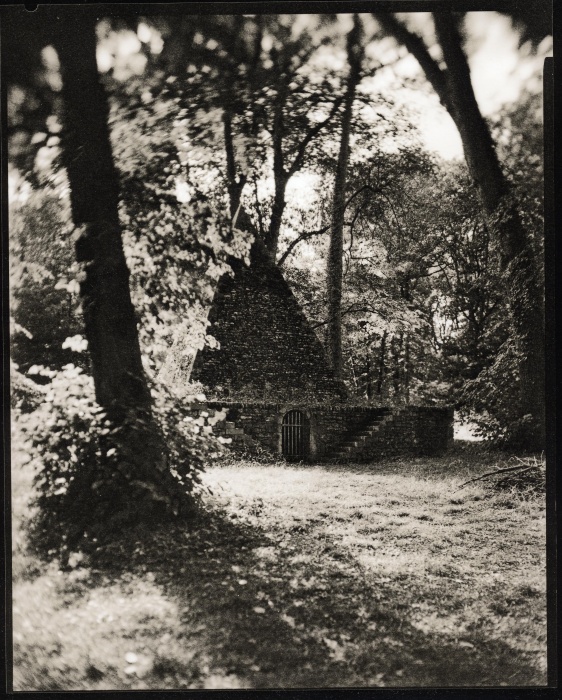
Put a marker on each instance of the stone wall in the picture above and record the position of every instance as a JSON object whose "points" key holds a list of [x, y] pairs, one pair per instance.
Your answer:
{"points": [[255, 427], [413, 430], [330, 425], [268, 351]]}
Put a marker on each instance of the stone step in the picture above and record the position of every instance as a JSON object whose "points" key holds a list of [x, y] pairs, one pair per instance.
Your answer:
{"points": [[343, 457], [367, 432], [355, 443]]}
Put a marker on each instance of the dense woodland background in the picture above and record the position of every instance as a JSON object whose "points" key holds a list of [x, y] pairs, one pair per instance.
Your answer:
{"points": [[148, 152]]}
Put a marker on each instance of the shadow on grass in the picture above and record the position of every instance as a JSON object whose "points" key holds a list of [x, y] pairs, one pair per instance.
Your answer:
{"points": [[257, 613]]}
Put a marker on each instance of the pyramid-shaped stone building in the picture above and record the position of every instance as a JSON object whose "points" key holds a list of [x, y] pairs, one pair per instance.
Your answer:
{"points": [[271, 375]]}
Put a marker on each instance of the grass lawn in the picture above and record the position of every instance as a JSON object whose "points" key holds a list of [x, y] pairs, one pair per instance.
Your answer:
{"points": [[299, 576]]}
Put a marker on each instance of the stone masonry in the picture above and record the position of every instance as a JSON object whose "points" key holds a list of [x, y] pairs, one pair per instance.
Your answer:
{"points": [[268, 351], [270, 362], [340, 433]]}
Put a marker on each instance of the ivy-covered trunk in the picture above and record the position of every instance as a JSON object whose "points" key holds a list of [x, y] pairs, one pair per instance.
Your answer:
{"points": [[335, 252], [109, 318]]}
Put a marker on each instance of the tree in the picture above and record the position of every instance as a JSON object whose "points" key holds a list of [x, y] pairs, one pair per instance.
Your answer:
{"points": [[109, 319], [525, 291], [112, 446], [335, 254], [276, 105]]}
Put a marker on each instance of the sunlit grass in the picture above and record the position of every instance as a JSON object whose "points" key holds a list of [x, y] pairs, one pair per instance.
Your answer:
{"points": [[300, 576]]}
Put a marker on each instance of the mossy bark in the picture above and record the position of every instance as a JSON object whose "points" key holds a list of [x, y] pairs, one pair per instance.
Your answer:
{"points": [[110, 323]]}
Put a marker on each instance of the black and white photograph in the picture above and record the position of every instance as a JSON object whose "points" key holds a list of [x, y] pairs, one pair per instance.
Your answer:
{"points": [[276, 300]]}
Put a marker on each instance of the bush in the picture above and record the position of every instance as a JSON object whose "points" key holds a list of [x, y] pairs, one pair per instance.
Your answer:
{"points": [[25, 395], [43, 291], [87, 487], [491, 402]]}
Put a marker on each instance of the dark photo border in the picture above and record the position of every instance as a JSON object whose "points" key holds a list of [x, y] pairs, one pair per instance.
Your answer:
{"points": [[552, 194]]}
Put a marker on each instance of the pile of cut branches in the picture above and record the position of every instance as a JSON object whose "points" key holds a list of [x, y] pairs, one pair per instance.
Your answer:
{"points": [[526, 476]]}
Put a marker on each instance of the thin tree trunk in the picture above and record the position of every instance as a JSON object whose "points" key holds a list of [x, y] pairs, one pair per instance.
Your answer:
{"points": [[382, 355], [369, 380], [396, 374], [335, 253], [354, 373], [406, 372], [280, 176]]}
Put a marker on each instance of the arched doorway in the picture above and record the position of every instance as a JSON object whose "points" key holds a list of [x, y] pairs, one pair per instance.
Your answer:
{"points": [[295, 435]]}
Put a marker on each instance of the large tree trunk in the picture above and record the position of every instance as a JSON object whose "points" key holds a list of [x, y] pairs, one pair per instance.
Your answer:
{"points": [[334, 279], [109, 318], [524, 281], [525, 293], [277, 210], [233, 183]]}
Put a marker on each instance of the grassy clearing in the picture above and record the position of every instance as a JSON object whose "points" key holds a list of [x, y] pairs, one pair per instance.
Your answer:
{"points": [[299, 576]]}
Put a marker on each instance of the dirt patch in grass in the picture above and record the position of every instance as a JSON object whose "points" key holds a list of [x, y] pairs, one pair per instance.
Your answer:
{"points": [[301, 576]]}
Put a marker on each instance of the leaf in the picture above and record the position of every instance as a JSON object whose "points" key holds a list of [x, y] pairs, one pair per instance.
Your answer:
{"points": [[336, 651], [289, 620]]}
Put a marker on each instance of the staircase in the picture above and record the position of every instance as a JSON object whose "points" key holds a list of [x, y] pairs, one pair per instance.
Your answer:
{"points": [[353, 447]]}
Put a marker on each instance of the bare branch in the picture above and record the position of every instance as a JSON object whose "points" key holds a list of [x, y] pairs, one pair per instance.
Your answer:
{"points": [[311, 134], [303, 237], [523, 467]]}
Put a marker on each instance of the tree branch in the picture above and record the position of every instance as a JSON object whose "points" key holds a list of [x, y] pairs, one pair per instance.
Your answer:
{"points": [[415, 45], [311, 134], [311, 234], [303, 237], [522, 467], [351, 309]]}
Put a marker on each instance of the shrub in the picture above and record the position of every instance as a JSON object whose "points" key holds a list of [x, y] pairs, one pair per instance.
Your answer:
{"points": [[43, 295], [491, 402], [25, 395], [87, 488]]}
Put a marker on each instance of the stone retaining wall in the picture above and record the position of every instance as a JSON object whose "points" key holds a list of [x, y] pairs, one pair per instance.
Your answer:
{"points": [[254, 427], [413, 430]]}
